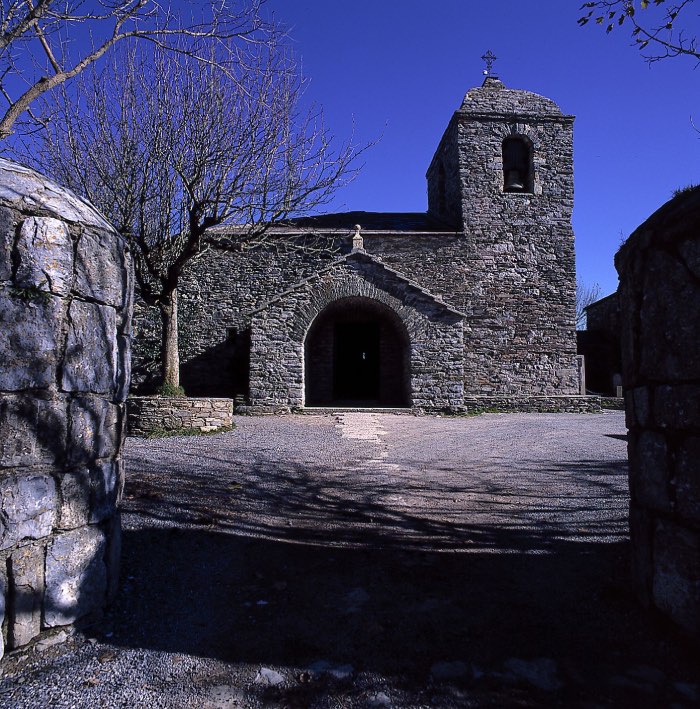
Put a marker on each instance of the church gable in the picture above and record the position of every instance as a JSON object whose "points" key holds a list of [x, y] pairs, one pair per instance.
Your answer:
{"points": [[356, 333]]}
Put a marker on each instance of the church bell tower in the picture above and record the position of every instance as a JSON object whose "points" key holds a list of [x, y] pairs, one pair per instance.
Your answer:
{"points": [[502, 176]]}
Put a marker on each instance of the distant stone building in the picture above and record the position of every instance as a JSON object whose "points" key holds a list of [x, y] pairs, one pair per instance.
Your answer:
{"points": [[474, 298], [599, 343]]}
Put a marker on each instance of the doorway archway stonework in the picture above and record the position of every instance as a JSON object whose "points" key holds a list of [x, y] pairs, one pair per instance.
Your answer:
{"points": [[433, 330]]}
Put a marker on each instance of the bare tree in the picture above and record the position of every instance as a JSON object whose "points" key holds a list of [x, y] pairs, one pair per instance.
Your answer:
{"points": [[44, 43], [585, 295], [168, 147], [658, 27]]}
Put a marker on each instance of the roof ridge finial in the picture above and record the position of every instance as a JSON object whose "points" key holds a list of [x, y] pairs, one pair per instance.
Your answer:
{"points": [[357, 242], [489, 58]]}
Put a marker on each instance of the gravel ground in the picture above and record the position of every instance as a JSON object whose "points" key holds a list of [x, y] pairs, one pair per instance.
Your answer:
{"points": [[372, 560]]}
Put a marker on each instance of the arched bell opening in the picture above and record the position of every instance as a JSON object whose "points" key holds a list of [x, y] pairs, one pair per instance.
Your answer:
{"points": [[357, 353], [518, 169]]}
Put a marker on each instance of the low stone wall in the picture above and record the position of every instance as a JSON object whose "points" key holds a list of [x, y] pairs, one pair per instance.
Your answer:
{"points": [[147, 414], [65, 318], [472, 404], [612, 402], [659, 297], [533, 404]]}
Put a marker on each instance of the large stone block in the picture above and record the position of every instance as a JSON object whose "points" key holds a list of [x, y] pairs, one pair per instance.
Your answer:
{"points": [[32, 431], [670, 321], [75, 493], [94, 429], [3, 605], [687, 481], [7, 238], [76, 576], [641, 535], [676, 586], [90, 495], [45, 255], [677, 406], [27, 577], [31, 338], [28, 508], [100, 273], [90, 363], [649, 471], [26, 189]]}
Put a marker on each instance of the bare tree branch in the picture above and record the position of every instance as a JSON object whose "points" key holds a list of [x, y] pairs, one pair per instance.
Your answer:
{"points": [[656, 26], [585, 296], [169, 147], [36, 56]]}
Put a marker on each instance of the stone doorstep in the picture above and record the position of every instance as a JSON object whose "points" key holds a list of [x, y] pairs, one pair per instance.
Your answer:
{"points": [[352, 409]]}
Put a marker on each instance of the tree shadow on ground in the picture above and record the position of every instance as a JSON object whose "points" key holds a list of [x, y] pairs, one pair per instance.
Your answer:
{"points": [[391, 611], [228, 565]]}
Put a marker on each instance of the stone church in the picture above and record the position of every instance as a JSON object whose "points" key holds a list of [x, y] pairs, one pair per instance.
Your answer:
{"points": [[473, 299]]}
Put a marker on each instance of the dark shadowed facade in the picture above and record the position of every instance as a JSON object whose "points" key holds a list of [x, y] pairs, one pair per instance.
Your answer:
{"points": [[475, 297]]}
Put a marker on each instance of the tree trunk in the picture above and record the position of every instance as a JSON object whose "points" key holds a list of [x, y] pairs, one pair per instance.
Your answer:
{"points": [[171, 352]]}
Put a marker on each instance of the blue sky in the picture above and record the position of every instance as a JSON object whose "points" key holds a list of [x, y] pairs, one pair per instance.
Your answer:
{"points": [[398, 69]]}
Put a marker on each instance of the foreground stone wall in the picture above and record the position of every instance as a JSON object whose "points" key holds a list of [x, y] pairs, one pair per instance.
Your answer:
{"points": [[65, 314], [148, 414], [659, 299]]}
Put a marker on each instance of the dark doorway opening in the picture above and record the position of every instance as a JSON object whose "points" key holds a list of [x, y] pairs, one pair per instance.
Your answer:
{"points": [[357, 354], [356, 361]]}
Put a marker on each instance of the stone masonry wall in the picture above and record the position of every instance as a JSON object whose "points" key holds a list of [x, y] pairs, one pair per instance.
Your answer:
{"points": [[510, 346], [659, 299], [279, 330], [65, 312], [146, 414], [509, 266]]}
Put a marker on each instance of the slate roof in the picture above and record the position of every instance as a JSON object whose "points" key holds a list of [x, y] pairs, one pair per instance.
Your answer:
{"points": [[369, 221]]}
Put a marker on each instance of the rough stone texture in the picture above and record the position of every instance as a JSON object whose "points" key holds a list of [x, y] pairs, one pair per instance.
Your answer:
{"points": [[28, 508], [660, 317], [25, 190], [278, 331], [146, 414], [31, 327], [90, 495], [93, 330], [503, 262], [33, 430], [65, 314], [76, 575], [45, 253], [74, 489], [3, 604], [7, 240], [27, 576], [94, 430], [533, 404], [99, 278]]}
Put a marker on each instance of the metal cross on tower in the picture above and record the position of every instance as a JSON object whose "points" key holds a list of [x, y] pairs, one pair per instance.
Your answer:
{"points": [[489, 58]]}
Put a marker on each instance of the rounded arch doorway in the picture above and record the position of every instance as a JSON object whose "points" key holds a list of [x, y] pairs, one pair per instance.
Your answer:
{"points": [[357, 353]]}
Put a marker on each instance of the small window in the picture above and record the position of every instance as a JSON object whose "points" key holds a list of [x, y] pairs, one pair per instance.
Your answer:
{"points": [[517, 164]]}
